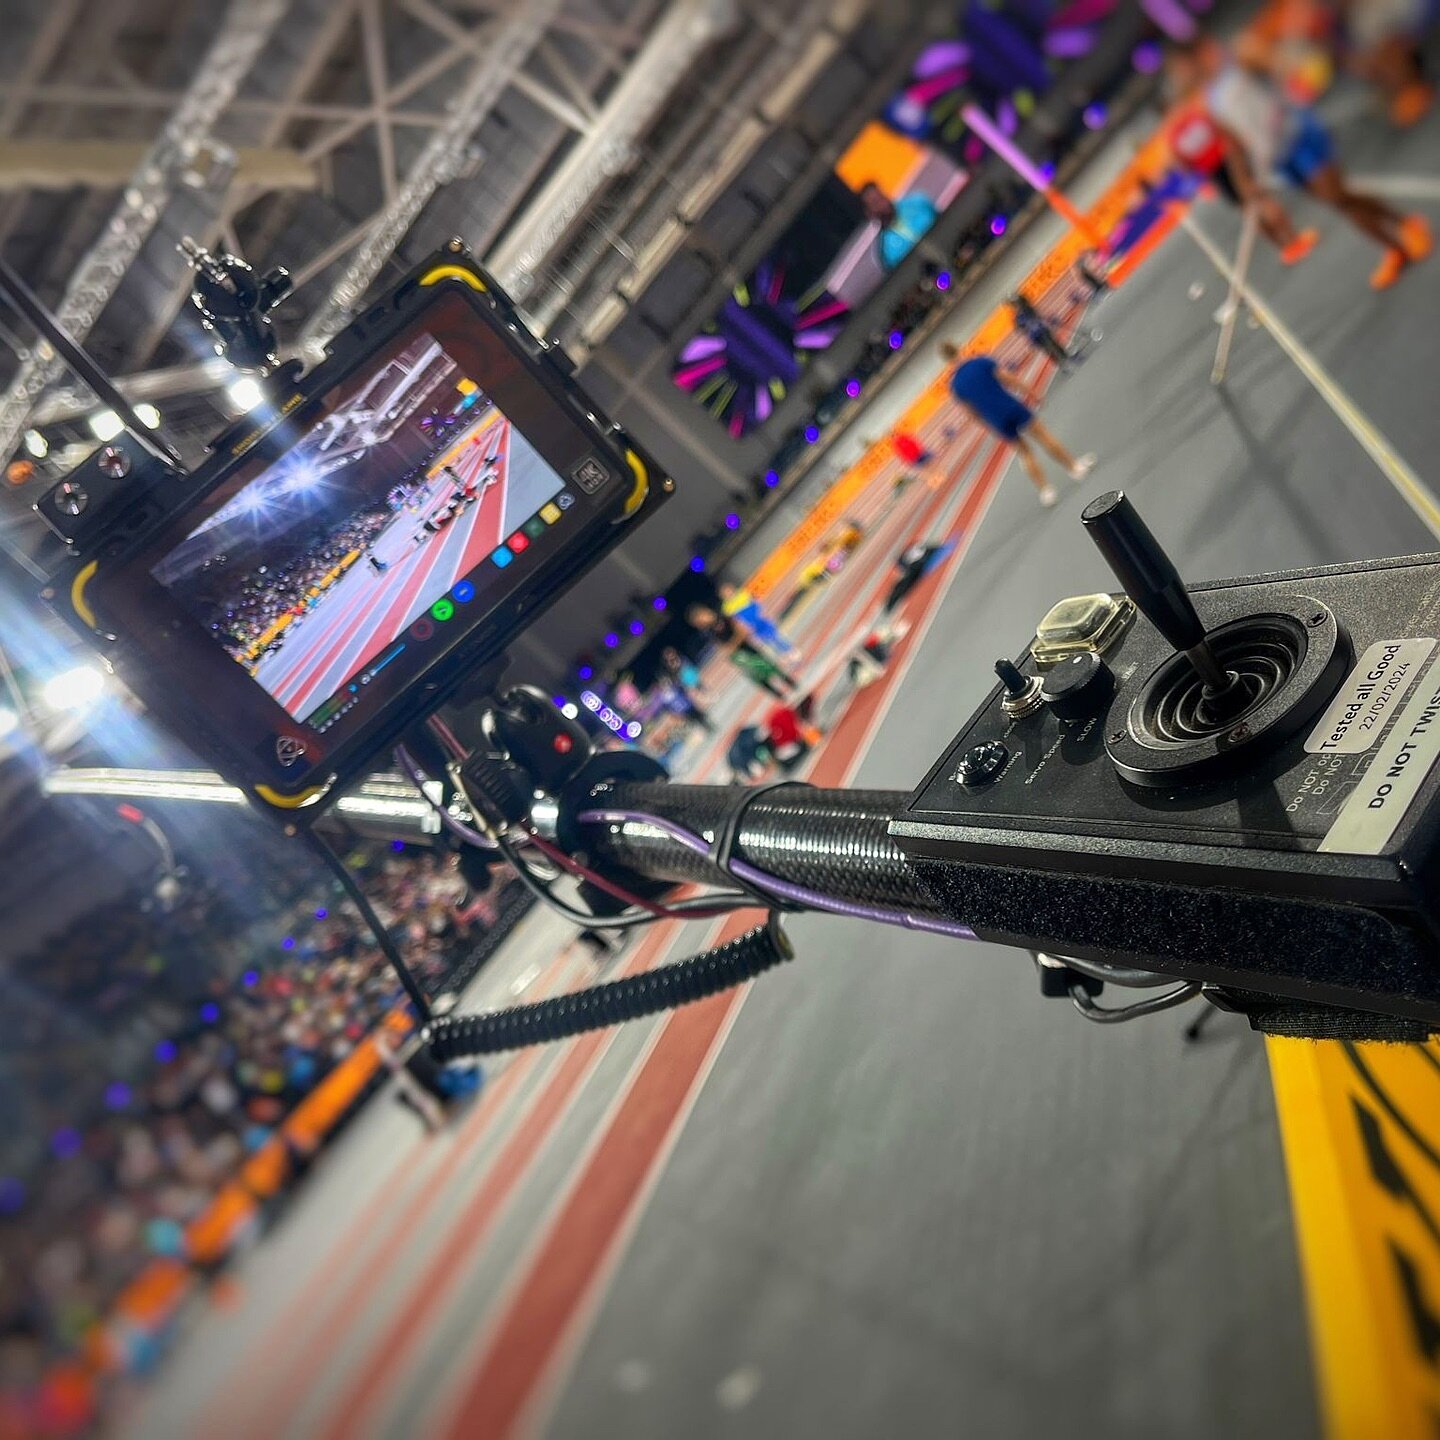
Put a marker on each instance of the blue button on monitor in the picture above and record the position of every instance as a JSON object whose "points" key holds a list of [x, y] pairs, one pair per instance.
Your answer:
{"points": [[503, 556], [464, 591]]}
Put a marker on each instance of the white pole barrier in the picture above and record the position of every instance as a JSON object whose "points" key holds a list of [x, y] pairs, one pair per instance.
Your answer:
{"points": [[1249, 228], [1387, 460]]}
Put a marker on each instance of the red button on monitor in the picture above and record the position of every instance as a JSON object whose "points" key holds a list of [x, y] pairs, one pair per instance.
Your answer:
{"points": [[519, 541]]}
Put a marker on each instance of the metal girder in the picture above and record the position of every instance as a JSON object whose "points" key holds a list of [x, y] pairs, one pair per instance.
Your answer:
{"points": [[507, 51], [288, 106], [42, 52], [243, 33], [603, 34], [146, 100], [548, 99], [551, 58], [765, 99], [372, 36], [686, 29], [102, 164], [568, 113], [74, 402]]}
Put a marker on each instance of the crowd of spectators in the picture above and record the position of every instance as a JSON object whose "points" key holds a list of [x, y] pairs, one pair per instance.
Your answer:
{"points": [[251, 603], [150, 1049]]}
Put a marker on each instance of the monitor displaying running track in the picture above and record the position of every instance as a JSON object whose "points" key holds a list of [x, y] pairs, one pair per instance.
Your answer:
{"points": [[391, 512]]}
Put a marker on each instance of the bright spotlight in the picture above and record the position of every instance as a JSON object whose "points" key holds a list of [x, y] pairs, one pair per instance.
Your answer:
{"points": [[148, 416], [106, 425], [570, 710], [37, 444], [9, 721], [74, 689], [245, 393]]}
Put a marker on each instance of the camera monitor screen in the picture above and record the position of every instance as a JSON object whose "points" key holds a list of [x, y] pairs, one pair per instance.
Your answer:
{"points": [[367, 534], [375, 538]]}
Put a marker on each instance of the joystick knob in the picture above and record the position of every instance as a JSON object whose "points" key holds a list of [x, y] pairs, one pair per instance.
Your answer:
{"points": [[1148, 576]]}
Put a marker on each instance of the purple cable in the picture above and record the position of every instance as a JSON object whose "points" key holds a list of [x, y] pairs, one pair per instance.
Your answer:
{"points": [[783, 889], [458, 827]]}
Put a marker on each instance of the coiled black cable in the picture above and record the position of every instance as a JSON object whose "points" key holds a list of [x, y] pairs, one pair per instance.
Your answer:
{"points": [[455, 1037]]}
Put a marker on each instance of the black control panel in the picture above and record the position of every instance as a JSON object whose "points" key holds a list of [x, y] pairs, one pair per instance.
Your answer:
{"points": [[1058, 776], [1274, 737]]}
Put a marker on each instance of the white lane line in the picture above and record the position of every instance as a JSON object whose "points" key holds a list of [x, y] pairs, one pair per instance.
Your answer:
{"points": [[1416, 494]]}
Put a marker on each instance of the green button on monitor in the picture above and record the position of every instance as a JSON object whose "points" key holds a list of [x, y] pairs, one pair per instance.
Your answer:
{"points": [[534, 527], [443, 608]]}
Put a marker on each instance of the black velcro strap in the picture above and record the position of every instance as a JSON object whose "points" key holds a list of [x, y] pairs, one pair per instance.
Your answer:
{"points": [[722, 848]]}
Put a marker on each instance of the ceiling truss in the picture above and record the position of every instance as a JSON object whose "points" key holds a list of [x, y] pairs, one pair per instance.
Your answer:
{"points": [[315, 134]]}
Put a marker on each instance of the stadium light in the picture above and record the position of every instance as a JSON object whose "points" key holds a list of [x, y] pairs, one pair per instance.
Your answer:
{"points": [[105, 425], [37, 444], [9, 721], [74, 689], [245, 393]]}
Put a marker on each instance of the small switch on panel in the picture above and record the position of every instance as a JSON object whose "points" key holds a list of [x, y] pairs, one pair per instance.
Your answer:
{"points": [[1022, 692]]}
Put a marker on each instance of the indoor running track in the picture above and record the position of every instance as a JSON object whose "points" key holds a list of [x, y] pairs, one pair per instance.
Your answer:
{"points": [[364, 612]]}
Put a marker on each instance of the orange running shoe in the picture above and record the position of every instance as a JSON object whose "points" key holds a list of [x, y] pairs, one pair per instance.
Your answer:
{"points": [[1389, 270], [1415, 236], [1412, 104], [1299, 247]]}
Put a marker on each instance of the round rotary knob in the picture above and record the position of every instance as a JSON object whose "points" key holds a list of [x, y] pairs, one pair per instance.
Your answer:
{"points": [[1079, 687]]}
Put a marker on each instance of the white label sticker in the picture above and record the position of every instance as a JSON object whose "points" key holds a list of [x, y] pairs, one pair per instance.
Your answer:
{"points": [[1357, 715], [1392, 779]]}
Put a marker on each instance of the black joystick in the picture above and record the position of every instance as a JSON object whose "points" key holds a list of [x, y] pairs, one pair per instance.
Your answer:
{"points": [[1148, 576]]}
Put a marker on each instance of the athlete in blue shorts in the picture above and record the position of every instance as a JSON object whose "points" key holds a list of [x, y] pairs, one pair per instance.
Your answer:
{"points": [[1265, 139], [977, 386]]}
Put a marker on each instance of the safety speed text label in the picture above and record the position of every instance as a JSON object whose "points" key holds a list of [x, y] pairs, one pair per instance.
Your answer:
{"points": [[1357, 715], [1393, 778]]}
